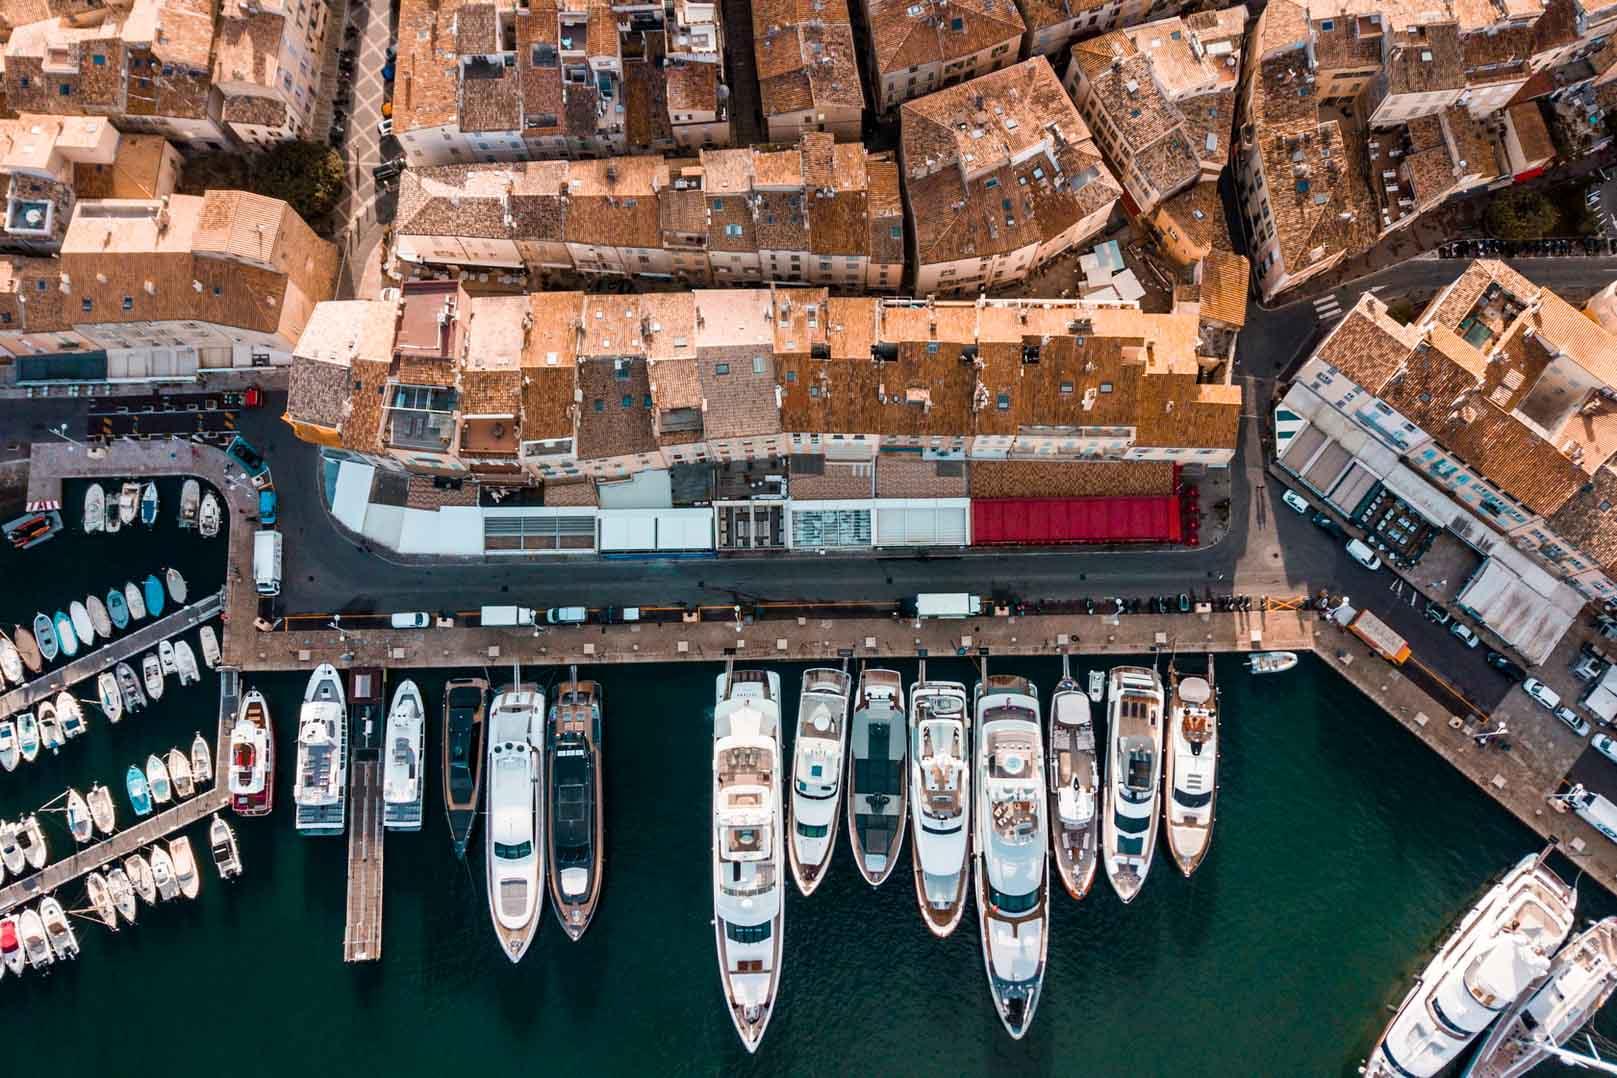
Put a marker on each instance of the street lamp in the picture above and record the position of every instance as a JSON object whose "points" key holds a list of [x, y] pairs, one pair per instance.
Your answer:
{"points": [[1482, 738], [61, 432], [335, 619]]}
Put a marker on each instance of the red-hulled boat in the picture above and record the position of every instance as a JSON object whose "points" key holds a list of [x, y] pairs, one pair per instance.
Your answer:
{"points": [[252, 757]]}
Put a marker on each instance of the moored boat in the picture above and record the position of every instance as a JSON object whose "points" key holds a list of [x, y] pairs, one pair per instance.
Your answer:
{"points": [[100, 899], [1074, 787], [165, 657], [404, 780], [128, 502], [148, 505], [940, 800], [83, 627], [11, 850], [112, 701], [572, 764], [34, 941], [117, 609], [818, 750], [1190, 769], [69, 715], [163, 878], [64, 941], [10, 749], [50, 731], [151, 590], [464, 702], [12, 955], [514, 854], [129, 685], [139, 791], [28, 648], [45, 637], [252, 757], [186, 877], [122, 893], [210, 646], [185, 663], [208, 516], [100, 618], [28, 736], [79, 824], [151, 670], [1133, 777], [95, 509], [190, 502], [201, 761], [158, 780], [31, 529], [140, 877], [226, 853], [177, 589], [878, 795], [1271, 662], [179, 772], [66, 638], [320, 788], [34, 850], [101, 809], [135, 601], [10, 661]]}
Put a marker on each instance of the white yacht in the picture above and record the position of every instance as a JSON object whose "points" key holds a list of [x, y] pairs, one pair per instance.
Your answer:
{"points": [[877, 790], [1190, 769], [748, 889], [1074, 787], [1133, 777], [514, 853], [940, 800], [1580, 981], [403, 783], [1501, 947], [817, 753], [321, 789], [1012, 852]]}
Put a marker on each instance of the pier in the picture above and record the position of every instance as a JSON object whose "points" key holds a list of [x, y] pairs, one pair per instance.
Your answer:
{"points": [[362, 929]]}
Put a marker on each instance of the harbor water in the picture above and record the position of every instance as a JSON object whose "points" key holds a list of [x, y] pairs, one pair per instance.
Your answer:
{"points": [[1343, 849]]}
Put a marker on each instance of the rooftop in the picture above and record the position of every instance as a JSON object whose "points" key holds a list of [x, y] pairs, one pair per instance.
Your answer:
{"points": [[911, 33]]}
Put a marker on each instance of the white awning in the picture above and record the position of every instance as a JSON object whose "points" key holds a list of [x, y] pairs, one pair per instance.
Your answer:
{"points": [[1528, 621], [353, 494], [1421, 496], [625, 530], [922, 522]]}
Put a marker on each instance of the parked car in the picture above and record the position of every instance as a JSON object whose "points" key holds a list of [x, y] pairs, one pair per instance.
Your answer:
{"points": [[253, 398], [385, 127], [250, 459], [1605, 746], [388, 169], [1506, 667], [1328, 526], [1437, 614], [1576, 723], [1295, 500], [567, 615], [414, 619], [1465, 634], [1546, 697], [267, 507], [1363, 555]]}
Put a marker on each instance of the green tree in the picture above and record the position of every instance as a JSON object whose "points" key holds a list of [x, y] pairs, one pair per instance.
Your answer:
{"points": [[1521, 214], [308, 175]]}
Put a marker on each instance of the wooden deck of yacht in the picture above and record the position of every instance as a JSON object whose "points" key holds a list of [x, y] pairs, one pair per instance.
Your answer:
{"points": [[362, 931]]}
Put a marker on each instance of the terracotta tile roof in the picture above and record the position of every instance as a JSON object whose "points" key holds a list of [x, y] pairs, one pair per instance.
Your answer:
{"points": [[548, 365], [805, 55], [885, 209], [1085, 479], [30, 298], [1193, 222], [1511, 456], [692, 87], [897, 477], [490, 98], [426, 92], [607, 426], [145, 167], [646, 120], [738, 399], [1224, 287], [321, 384], [261, 110], [1531, 131], [1587, 520], [613, 202], [247, 48], [452, 200], [838, 481], [1368, 346], [1425, 57], [476, 29], [941, 33]]}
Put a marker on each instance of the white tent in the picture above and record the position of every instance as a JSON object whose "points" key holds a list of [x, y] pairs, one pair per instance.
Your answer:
{"points": [[1527, 618]]}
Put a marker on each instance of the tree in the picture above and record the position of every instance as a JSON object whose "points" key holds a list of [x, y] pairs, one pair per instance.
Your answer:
{"points": [[307, 175], [1521, 214]]}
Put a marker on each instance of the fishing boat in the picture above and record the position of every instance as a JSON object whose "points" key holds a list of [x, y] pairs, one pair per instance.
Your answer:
{"points": [[69, 715], [122, 893], [129, 685], [99, 617], [159, 780], [749, 908], [28, 736], [117, 609], [163, 877], [252, 757], [1012, 848], [320, 789], [101, 809], [140, 793], [35, 850], [11, 851], [1580, 980], [226, 853], [177, 589], [31, 529], [190, 502], [179, 772], [10, 750], [45, 635], [185, 663], [79, 824], [201, 761], [572, 763], [1133, 777], [148, 505], [208, 516], [877, 790], [83, 627], [151, 669], [404, 781], [464, 703], [1500, 948], [95, 509], [34, 940], [210, 647], [50, 730], [12, 955], [128, 502], [112, 701], [165, 657], [10, 661], [114, 521], [818, 749], [940, 800], [1074, 787], [100, 899], [514, 854], [186, 876], [151, 589], [28, 648], [1190, 769], [64, 941], [140, 877], [1097, 686], [1271, 662], [135, 601], [66, 638]]}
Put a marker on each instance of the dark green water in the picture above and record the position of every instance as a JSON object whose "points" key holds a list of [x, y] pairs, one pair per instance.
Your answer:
{"points": [[1343, 848]]}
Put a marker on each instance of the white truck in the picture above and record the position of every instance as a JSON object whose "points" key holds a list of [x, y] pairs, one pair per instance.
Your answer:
{"points": [[940, 604], [267, 562], [502, 616]]}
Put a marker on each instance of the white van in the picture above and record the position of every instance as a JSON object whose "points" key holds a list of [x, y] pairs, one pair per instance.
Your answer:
{"points": [[567, 615], [1363, 555], [267, 562]]}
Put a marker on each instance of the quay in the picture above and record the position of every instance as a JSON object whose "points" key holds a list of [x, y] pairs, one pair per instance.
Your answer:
{"points": [[87, 666]]}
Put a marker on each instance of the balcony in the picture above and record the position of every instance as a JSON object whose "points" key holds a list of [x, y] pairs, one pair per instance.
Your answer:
{"points": [[421, 417], [489, 436]]}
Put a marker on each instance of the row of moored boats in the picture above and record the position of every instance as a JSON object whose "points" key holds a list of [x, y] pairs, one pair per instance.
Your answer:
{"points": [[132, 501]]}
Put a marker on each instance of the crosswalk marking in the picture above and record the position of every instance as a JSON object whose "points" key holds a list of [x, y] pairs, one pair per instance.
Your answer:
{"points": [[1326, 308]]}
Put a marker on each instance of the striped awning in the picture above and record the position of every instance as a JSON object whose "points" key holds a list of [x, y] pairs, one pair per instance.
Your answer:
{"points": [[1287, 424]]}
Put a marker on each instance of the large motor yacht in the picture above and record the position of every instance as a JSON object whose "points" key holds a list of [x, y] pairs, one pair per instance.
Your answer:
{"points": [[464, 702], [817, 752], [940, 800], [877, 791], [1501, 947], [748, 889], [1074, 786], [403, 780], [321, 792], [1190, 769], [515, 856], [1133, 777], [252, 757], [1013, 887], [577, 808]]}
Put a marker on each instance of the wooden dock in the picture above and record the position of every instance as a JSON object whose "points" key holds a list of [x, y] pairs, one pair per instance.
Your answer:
{"points": [[362, 930], [146, 638]]}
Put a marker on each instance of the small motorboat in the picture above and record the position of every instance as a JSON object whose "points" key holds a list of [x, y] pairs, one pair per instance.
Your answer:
{"points": [[11, 952], [11, 853], [163, 872], [32, 529], [129, 685], [27, 736], [165, 657], [140, 878], [185, 866], [83, 627], [226, 854], [176, 586], [63, 940], [69, 715], [128, 502], [50, 730], [101, 809], [210, 646], [10, 751], [33, 939], [100, 897], [114, 522], [148, 505], [208, 516], [201, 761], [95, 509], [1271, 662], [10, 661], [158, 780], [122, 893], [28, 647], [79, 823], [35, 850], [140, 794], [185, 663], [179, 772], [151, 671], [112, 701], [117, 609], [100, 617], [135, 601], [190, 502], [66, 638], [152, 591], [46, 636]]}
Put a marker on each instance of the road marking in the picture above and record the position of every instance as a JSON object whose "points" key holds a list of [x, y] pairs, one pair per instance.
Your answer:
{"points": [[1327, 308]]}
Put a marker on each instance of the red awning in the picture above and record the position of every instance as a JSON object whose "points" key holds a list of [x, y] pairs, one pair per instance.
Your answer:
{"points": [[1076, 520]]}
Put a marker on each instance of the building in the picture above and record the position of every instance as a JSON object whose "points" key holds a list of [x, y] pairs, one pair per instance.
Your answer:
{"points": [[918, 47], [808, 71], [267, 61], [1000, 175]]}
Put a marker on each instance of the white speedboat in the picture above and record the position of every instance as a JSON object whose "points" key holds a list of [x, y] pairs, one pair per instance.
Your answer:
{"points": [[515, 851], [50, 730], [12, 953], [100, 620], [179, 772], [404, 780], [940, 800], [28, 736], [129, 686], [112, 701], [1074, 778], [102, 810], [1271, 662], [201, 761], [1097, 686], [1500, 948], [11, 851], [63, 940], [163, 878], [10, 661], [1133, 777], [69, 715], [34, 941], [817, 755], [1011, 849], [749, 908], [83, 627], [95, 509], [226, 853], [34, 848], [208, 516], [320, 788], [100, 899], [135, 600], [1190, 769], [10, 750], [177, 588], [878, 792], [151, 670], [79, 823], [158, 780], [122, 892], [210, 647], [186, 877], [140, 877], [165, 658], [185, 663], [190, 502], [128, 503]]}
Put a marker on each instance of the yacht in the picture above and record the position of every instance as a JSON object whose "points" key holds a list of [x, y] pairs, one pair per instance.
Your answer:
{"points": [[1013, 892], [403, 783], [817, 751], [1580, 980], [321, 784], [128, 502], [208, 516], [112, 701], [940, 800], [1500, 948], [515, 857], [190, 502], [464, 703], [748, 891], [1133, 776], [1271, 662], [877, 791], [576, 803], [252, 757], [64, 941], [1190, 769], [1074, 787]]}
